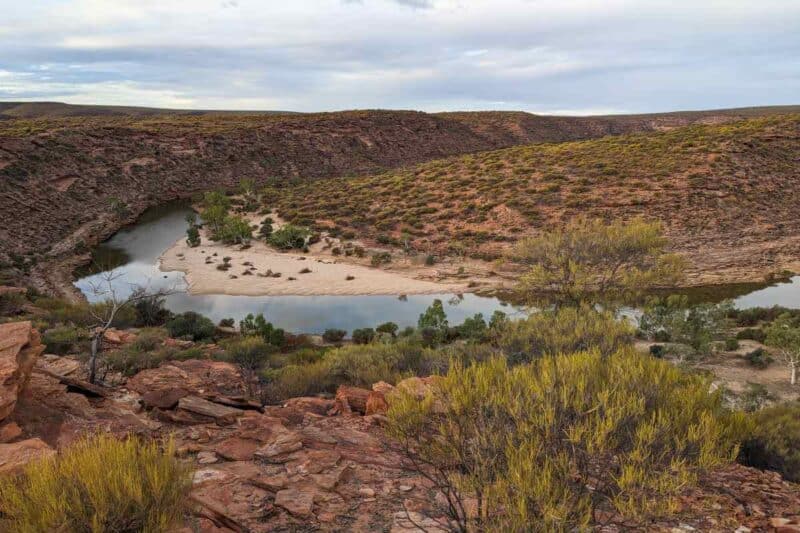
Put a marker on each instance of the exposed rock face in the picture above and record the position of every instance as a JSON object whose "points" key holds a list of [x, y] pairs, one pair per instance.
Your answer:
{"points": [[55, 183], [14, 457], [20, 346]]}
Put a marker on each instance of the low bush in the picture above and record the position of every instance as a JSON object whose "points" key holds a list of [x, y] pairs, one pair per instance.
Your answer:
{"points": [[99, 484], [148, 339], [363, 335], [657, 350], [638, 431], [758, 358], [192, 326], [334, 335], [289, 237], [567, 330], [65, 339], [773, 443], [380, 258], [389, 328], [753, 334], [731, 344]]}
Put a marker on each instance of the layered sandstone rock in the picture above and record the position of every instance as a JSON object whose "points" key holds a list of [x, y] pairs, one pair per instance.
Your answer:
{"points": [[20, 346]]}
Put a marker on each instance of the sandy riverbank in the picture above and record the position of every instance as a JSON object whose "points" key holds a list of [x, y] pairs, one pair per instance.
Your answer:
{"points": [[329, 275]]}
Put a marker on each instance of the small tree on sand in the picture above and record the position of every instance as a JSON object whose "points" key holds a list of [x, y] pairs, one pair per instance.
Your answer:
{"points": [[103, 315], [785, 338], [593, 260]]}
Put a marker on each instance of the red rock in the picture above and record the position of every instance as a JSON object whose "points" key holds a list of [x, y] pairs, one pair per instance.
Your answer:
{"points": [[163, 398], [382, 387], [14, 457], [278, 449], [351, 400], [236, 449], [20, 346], [222, 414], [298, 503], [376, 404], [9, 432], [318, 406], [112, 336]]}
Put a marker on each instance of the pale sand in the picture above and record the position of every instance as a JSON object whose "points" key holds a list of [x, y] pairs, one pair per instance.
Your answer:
{"points": [[327, 277]]}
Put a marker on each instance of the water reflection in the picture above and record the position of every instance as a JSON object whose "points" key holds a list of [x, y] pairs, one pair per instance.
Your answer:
{"points": [[134, 250]]}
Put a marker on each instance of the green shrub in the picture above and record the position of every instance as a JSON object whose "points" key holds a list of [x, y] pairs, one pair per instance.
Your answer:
{"points": [[473, 328], [64, 339], [250, 355], [380, 258], [567, 330], [11, 303], [657, 350], [227, 323], [363, 335], [543, 446], [289, 237], [99, 484], [148, 339], [258, 325], [150, 309], [731, 344], [334, 335], [773, 443], [753, 334], [759, 358], [389, 328], [191, 325]]}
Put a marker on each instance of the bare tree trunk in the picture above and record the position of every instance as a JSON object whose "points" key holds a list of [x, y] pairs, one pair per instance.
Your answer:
{"points": [[93, 358], [793, 366]]}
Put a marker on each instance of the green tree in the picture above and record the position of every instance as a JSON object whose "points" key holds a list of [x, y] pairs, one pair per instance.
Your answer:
{"points": [[595, 261], [215, 209], [675, 320], [258, 325], [784, 336], [289, 237], [434, 319], [193, 236], [235, 230]]}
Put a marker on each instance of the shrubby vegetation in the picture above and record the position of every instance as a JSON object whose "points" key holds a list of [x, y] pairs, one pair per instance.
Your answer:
{"points": [[192, 326], [773, 443], [555, 442], [98, 484], [674, 320], [289, 237]]}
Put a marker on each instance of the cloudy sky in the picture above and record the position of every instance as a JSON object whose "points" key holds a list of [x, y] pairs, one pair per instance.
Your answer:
{"points": [[546, 56]]}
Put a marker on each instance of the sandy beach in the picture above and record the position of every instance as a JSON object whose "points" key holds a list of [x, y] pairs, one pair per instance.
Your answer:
{"points": [[328, 275]]}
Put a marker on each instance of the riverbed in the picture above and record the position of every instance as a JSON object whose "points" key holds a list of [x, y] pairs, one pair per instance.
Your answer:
{"points": [[132, 254]]}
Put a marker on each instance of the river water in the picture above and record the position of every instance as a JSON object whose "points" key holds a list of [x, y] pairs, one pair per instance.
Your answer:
{"points": [[132, 254]]}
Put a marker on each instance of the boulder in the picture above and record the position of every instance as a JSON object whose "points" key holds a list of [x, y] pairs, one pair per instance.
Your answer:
{"points": [[20, 346], [306, 404], [376, 404], [9, 432], [351, 400], [382, 387], [200, 376], [163, 398], [14, 457], [278, 449]]}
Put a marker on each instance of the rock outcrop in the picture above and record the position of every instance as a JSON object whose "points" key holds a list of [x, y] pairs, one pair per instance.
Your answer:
{"points": [[20, 346]]}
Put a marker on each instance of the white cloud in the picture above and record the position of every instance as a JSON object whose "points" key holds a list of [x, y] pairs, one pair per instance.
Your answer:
{"points": [[539, 55]]}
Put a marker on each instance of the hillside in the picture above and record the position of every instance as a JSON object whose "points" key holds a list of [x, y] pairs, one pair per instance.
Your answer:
{"points": [[67, 182], [727, 194]]}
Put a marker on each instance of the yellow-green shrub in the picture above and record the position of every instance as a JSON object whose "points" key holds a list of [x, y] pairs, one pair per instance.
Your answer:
{"points": [[566, 330], [98, 485], [543, 446]]}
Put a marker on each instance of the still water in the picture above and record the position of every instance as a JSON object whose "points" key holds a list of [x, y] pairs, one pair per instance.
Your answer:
{"points": [[133, 253]]}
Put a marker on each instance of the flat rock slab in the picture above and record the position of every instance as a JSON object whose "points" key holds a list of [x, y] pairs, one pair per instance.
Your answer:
{"points": [[14, 457], [222, 414], [164, 398], [299, 503]]}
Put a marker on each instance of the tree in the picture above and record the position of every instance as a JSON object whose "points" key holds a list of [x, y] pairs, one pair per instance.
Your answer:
{"points": [[784, 336], [192, 236], [235, 230], [595, 261], [289, 237], [258, 325], [434, 319], [103, 315], [250, 354], [390, 328], [215, 209], [673, 319]]}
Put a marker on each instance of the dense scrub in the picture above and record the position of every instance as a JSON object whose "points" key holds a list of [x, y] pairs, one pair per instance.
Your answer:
{"points": [[99, 484], [723, 175]]}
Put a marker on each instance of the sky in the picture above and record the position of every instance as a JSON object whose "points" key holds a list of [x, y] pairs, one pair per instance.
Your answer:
{"points": [[574, 57]]}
